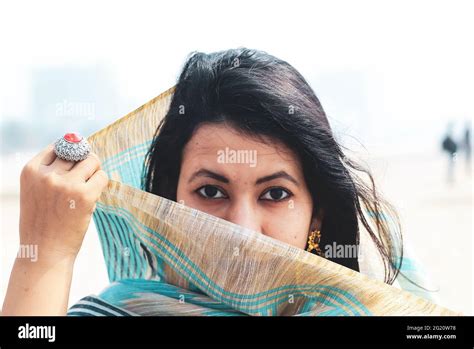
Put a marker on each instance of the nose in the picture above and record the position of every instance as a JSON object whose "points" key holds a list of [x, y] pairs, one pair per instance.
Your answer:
{"points": [[244, 214]]}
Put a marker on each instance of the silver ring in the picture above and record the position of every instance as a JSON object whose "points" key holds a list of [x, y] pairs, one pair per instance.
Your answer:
{"points": [[72, 147]]}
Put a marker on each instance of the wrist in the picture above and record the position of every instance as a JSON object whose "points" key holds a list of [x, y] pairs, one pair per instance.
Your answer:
{"points": [[40, 286], [41, 256]]}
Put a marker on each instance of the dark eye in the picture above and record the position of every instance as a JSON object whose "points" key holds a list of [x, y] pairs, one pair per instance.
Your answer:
{"points": [[211, 192], [275, 194]]}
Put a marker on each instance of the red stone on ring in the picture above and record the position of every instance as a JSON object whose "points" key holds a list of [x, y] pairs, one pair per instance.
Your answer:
{"points": [[72, 137]]}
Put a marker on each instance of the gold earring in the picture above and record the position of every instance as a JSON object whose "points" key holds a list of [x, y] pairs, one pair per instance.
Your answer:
{"points": [[313, 242]]}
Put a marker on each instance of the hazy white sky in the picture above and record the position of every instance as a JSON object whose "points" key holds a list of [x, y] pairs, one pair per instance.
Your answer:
{"points": [[416, 57]]}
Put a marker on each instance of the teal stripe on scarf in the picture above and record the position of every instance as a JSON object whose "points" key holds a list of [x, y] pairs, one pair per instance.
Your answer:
{"points": [[113, 161]]}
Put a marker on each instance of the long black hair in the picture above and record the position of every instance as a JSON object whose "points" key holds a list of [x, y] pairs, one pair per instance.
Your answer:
{"points": [[263, 96]]}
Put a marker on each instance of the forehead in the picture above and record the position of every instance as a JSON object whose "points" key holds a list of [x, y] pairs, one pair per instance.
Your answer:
{"points": [[213, 140]]}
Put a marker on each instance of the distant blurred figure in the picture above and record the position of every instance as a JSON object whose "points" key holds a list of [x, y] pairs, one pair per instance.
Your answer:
{"points": [[466, 146], [450, 146]]}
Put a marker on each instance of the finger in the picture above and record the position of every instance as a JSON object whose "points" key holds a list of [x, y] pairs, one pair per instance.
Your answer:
{"points": [[98, 181], [60, 166], [86, 168], [45, 157]]}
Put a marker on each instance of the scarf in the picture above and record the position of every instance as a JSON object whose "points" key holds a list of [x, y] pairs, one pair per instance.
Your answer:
{"points": [[164, 258]]}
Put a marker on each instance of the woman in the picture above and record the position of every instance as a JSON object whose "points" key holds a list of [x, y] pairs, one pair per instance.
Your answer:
{"points": [[248, 100], [245, 139]]}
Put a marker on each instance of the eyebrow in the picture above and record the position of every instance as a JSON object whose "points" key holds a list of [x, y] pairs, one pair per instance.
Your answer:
{"points": [[206, 173], [276, 175], [210, 174]]}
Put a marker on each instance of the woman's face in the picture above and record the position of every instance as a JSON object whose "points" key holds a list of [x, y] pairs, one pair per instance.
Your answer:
{"points": [[257, 185]]}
